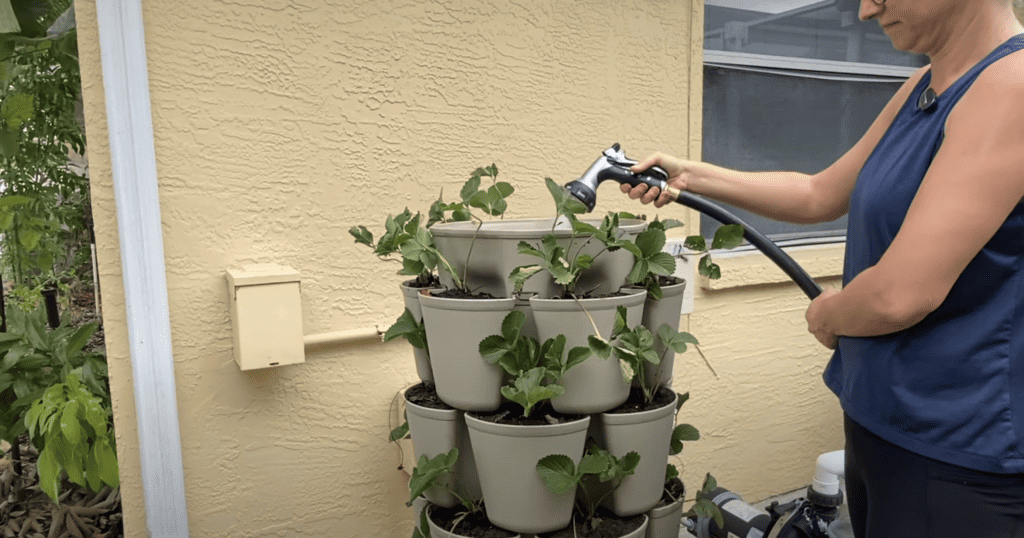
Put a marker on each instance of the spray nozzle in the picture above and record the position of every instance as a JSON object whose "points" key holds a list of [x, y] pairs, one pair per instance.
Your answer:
{"points": [[613, 164]]}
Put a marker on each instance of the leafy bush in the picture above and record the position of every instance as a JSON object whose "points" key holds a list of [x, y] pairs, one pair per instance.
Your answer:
{"points": [[42, 372], [72, 430]]}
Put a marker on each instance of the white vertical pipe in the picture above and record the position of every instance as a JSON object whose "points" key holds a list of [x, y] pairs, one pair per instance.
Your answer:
{"points": [[126, 84]]}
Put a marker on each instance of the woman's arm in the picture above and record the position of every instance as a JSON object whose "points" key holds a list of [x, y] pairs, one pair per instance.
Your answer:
{"points": [[972, 186], [786, 196]]}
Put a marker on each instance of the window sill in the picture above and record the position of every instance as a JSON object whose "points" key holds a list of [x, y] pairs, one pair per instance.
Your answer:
{"points": [[751, 267]]}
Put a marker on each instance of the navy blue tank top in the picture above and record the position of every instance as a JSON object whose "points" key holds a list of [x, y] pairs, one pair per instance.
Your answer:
{"points": [[951, 387]]}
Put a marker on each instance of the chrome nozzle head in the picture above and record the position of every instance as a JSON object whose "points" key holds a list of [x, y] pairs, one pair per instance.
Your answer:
{"points": [[583, 192]]}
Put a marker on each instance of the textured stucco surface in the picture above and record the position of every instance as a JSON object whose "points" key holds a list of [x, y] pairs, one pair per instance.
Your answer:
{"points": [[279, 124]]}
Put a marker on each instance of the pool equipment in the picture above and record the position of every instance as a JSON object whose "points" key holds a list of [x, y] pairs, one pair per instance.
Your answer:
{"points": [[816, 516]]}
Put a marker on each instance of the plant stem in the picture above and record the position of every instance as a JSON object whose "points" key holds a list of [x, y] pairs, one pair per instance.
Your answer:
{"points": [[592, 322], [472, 243], [705, 360]]}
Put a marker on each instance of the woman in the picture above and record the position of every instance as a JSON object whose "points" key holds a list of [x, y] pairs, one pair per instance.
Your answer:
{"points": [[929, 326]]}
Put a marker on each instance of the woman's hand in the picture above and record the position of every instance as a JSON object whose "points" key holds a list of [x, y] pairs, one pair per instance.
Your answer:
{"points": [[678, 177], [817, 319]]}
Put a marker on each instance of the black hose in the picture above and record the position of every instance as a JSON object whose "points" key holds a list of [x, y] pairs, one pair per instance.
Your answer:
{"points": [[756, 238]]}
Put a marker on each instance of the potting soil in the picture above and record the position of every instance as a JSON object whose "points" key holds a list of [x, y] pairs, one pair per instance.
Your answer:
{"points": [[511, 413], [424, 395], [636, 404]]}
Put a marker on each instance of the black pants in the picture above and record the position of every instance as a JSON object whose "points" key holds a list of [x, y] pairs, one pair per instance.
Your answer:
{"points": [[895, 493]]}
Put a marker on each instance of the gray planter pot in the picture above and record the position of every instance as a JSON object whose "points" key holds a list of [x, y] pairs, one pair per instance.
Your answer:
{"points": [[666, 310], [649, 434], [437, 431], [665, 521], [455, 328], [412, 304], [596, 384], [641, 530], [438, 532], [506, 459], [496, 253]]}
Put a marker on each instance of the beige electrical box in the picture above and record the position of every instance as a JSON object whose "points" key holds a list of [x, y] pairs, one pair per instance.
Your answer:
{"points": [[266, 316]]}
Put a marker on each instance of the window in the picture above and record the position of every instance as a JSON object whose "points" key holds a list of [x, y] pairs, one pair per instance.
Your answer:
{"points": [[792, 85]]}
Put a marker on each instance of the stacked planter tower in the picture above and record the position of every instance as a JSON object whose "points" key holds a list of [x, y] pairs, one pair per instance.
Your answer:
{"points": [[497, 463]]}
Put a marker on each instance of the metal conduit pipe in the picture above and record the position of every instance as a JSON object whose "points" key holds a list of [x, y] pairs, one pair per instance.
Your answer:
{"points": [[366, 335]]}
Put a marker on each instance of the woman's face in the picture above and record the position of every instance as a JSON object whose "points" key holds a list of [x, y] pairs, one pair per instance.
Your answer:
{"points": [[919, 26]]}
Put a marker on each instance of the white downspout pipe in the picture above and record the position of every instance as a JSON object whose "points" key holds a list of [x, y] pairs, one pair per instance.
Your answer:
{"points": [[133, 159]]}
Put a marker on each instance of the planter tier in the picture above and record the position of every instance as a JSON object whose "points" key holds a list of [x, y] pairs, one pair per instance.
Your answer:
{"points": [[507, 455], [412, 304], [639, 532], [495, 253], [666, 310], [455, 327], [665, 521], [595, 385], [649, 434], [437, 431], [438, 532]]}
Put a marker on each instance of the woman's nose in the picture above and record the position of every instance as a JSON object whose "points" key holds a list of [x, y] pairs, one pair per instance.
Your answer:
{"points": [[870, 9]]}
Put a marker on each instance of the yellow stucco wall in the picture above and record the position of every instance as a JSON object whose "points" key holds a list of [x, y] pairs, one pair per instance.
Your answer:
{"points": [[280, 124]]}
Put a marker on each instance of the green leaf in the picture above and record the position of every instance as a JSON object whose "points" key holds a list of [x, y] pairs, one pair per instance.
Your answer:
{"points": [[12, 201], [72, 462], [627, 464], [493, 348], [528, 390], [558, 473], [695, 243], [674, 340], [400, 432], [599, 347], [650, 241], [362, 235], [682, 400], [521, 274], [10, 143], [470, 188], [639, 271], [81, 336], [594, 464], [728, 236], [30, 238], [407, 327], [504, 189], [668, 224], [682, 432], [662, 263], [710, 484], [707, 509], [671, 472], [709, 269], [107, 459], [428, 471], [69, 423], [17, 109], [8, 21], [96, 416], [49, 473], [92, 471], [577, 355], [512, 325]]}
